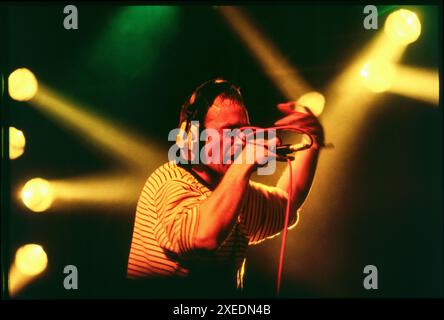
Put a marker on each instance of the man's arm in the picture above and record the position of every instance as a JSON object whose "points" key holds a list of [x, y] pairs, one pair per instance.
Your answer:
{"points": [[219, 212], [303, 170], [304, 165]]}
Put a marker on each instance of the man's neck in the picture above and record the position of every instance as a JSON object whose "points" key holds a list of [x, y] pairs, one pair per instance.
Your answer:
{"points": [[210, 177]]}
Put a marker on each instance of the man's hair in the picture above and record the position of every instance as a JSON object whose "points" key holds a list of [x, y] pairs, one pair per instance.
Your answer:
{"points": [[196, 106]]}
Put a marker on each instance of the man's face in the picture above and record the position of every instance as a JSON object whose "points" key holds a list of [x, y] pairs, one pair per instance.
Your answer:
{"points": [[223, 114]]}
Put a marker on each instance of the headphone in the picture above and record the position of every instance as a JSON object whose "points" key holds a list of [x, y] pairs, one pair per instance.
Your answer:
{"points": [[187, 128], [190, 130], [201, 99]]}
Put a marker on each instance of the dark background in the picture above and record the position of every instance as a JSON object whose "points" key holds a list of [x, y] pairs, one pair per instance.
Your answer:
{"points": [[390, 210]]}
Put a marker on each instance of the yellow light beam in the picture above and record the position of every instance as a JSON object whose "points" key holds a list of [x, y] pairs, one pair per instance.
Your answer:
{"points": [[116, 140], [107, 189], [116, 189], [416, 83], [274, 64], [348, 96], [347, 90]]}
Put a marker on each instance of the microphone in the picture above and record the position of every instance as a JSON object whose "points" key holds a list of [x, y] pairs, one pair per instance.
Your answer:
{"points": [[286, 149]]}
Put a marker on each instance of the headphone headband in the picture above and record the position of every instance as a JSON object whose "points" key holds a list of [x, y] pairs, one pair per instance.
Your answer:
{"points": [[203, 97]]}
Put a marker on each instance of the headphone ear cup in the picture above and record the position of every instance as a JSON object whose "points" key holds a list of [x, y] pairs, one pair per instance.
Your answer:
{"points": [[190, 141], [180, 135], [192, 135]]}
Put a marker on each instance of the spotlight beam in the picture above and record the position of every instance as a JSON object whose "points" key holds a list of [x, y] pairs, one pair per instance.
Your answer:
{"points": [[118, 142], [347, 89], [116, 189], [274, 64], [17, 280], [416, 83]]}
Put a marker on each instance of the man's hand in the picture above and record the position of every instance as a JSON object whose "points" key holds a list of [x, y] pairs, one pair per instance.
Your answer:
{"points": [[305, 121]]}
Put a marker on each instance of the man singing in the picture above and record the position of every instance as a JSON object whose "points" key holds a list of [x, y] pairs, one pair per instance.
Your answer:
{"points": [[194, 222]]}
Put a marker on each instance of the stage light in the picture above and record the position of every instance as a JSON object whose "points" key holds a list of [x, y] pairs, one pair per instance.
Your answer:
{"points": [[37, 194], [315, 101], [31, 259], [17, 143], [22, 85], [403, 26], [377, 76]]}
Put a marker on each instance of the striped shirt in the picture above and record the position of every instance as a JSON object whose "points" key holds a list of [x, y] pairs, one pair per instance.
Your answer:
{"points": [[167, 218]]}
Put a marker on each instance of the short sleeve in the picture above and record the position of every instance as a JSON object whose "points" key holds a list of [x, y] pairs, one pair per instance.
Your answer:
{"points": [[177, 205], [263, 213]]}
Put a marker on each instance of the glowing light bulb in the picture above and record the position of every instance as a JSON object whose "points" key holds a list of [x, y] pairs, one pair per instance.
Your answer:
{"points": [[377, 76], [403, 26], [17, 143], [37, 194], [31, 259], [22, 84]]}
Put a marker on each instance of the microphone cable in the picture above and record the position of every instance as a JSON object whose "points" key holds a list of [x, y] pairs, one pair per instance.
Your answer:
{"points": [[285, 231]]}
